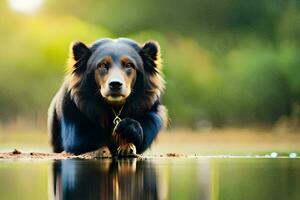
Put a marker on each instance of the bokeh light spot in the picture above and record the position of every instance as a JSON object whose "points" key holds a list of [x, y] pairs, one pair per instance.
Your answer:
{"points": [[25, 6]]}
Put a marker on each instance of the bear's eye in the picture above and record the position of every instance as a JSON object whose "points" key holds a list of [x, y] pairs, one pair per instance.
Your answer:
{"points": [[129, 65], [103, 65]]}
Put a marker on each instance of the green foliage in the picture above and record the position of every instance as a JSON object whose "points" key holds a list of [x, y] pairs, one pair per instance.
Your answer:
{"points": [[225, 63]]}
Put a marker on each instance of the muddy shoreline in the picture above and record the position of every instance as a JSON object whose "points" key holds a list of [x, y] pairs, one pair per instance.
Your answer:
{"points": [[18, 155]]}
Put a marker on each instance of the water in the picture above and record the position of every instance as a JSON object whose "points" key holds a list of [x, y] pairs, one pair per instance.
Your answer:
{"points": [[157, 178]]}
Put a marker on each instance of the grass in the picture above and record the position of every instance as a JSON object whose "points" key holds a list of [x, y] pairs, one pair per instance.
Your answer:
{"points": [[233, 141]]}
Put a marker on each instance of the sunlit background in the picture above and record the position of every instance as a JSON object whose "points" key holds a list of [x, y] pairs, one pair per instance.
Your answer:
{"points": [[25, 6], [233, 92], [232, 67]]}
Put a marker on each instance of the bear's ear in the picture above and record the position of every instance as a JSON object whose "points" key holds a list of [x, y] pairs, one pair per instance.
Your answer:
{"points": [[151, 50], [80, 54], [150, 53]]}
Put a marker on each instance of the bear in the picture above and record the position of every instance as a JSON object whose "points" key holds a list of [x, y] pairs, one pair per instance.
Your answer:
{"points": [[110, 100]]}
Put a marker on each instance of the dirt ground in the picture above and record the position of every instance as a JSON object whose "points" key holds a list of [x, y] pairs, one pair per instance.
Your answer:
{"points": [[18, 155]]}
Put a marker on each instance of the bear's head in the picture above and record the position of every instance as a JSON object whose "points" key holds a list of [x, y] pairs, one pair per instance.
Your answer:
{"points": [[115, 71]]}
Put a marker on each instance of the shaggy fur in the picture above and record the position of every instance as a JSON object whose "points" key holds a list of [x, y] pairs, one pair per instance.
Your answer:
{"points": [[79, 118]]}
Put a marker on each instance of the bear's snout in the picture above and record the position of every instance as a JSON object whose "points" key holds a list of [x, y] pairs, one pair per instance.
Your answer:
{"points": [[115, 85]]}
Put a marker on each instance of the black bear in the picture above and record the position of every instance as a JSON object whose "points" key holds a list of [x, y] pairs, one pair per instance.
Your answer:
{"points": [[110, 98]]}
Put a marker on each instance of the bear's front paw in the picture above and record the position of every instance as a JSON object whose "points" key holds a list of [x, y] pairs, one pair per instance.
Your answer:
{"points": [[129, 130]]}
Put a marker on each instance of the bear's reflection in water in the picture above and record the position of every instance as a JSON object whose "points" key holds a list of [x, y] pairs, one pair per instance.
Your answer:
{"points": [[104, 179]]}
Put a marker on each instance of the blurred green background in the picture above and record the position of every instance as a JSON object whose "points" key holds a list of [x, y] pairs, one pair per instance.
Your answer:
{"points": [[226, 62], [233, 74]]}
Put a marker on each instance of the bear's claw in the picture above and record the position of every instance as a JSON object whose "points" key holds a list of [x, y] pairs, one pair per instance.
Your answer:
{"points": [[127, 149]]}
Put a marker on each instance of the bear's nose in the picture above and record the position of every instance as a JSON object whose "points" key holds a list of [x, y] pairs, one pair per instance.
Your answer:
{"points": [[115, 85]]}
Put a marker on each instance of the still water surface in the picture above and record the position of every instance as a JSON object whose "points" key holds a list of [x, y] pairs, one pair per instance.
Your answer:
{"points": [[159, 178]]}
